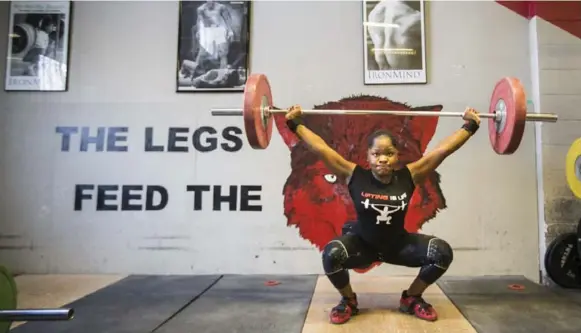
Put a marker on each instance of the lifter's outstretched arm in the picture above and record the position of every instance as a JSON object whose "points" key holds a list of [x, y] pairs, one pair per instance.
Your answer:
{"points": [[430, 161], [334, 161]]}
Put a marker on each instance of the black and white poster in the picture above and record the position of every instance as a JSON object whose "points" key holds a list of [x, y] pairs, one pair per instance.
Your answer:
{"points": [[213, 45], [38, 47], [394, 42]]}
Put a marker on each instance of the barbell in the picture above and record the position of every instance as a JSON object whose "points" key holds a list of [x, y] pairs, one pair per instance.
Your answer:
{"points": [[507, 113], [8, 306]]}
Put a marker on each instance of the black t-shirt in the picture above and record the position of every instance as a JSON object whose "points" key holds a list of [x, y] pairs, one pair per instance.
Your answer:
{"points": [[381, 208]]}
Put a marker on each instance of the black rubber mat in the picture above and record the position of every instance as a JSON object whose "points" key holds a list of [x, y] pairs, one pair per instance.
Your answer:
{"points": [[572, 294], [492, 307], [244, 304], [136, 304]]}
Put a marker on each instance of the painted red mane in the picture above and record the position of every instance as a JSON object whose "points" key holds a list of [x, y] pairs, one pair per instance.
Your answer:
{"points": [[318, 203]]}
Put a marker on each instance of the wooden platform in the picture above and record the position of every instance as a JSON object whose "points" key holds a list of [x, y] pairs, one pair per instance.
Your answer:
{"points": [[378, 302]]}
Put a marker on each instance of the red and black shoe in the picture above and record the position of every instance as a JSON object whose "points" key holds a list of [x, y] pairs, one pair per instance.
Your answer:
{"points": [[344, 310], [415, 305]]}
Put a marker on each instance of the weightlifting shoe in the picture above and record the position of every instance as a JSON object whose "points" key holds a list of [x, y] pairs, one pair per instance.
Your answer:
{"points": [[415, 305], [347, 308]]}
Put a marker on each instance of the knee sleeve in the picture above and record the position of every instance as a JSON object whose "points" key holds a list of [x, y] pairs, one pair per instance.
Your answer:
{"points": [[439, 258], [440, 253], [334, 256]]}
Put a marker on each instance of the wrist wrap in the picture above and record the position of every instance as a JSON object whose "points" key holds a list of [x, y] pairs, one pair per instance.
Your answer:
{"points": [[294, 123], [471, 126]]}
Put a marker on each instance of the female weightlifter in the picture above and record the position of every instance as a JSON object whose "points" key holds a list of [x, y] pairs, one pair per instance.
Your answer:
{"points": [[381, 196]]}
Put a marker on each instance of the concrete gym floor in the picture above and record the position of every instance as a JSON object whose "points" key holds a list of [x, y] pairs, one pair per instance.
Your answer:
{"points": [[298, 304]]}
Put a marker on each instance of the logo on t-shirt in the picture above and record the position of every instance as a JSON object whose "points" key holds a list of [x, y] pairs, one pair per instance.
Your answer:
{"points": [[393, 203]]}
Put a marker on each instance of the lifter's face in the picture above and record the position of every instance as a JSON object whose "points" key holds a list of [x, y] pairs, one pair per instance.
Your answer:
{"points": [[382, 156]]}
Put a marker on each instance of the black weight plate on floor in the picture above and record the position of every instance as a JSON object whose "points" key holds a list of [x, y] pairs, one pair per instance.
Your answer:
{"points": [[579, 237], [7, 295], [548, 256], [562, 261]]}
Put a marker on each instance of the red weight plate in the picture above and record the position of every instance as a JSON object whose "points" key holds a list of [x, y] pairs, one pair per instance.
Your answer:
{"points": [[257, 95], [508, 96]]}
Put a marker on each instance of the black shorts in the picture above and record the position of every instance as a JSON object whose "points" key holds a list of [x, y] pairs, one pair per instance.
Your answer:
{"points": [[411, 250]]}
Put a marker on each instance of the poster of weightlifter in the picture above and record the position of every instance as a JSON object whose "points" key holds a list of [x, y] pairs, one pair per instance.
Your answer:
{"points": [[37, 56], [394, 42], [213, 45]]}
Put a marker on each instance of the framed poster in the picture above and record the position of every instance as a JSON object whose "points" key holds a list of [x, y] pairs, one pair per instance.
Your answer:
{"points": [[394, 44], [213, 46], [38, 48]]}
